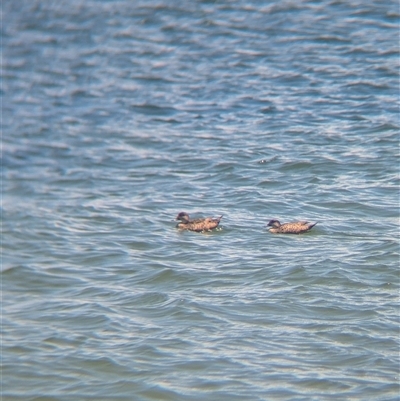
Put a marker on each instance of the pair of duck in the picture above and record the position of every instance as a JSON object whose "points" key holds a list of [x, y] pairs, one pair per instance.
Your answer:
{"points": [[208, 224]]}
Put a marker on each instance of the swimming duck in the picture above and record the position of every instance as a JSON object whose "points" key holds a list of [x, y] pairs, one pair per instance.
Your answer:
{"points": [[198, 225], [296, 227]]}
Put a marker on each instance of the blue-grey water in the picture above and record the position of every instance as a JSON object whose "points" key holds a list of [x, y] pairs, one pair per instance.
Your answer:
{"points": [[117, 115]]}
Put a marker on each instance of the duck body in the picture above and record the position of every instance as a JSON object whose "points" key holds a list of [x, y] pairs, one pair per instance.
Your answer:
{"points": [[296, 227], [198, 225]]}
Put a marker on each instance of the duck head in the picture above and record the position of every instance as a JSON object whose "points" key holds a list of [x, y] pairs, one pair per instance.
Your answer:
{"points": [[274, 223], [183, 216]]}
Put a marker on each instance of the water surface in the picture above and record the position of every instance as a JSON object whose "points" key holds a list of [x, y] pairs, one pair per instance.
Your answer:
{"points": [[117, 115]]}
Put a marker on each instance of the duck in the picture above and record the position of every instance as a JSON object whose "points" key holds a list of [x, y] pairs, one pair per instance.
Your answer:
{"points": [[296, 227], [198, 225]]}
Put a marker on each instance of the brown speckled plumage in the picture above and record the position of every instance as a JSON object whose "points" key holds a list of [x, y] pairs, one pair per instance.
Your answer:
{"points": [[297, 227], [198, 225]]}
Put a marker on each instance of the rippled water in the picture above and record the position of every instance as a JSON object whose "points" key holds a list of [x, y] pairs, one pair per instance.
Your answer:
{"points": [[117, 115]]}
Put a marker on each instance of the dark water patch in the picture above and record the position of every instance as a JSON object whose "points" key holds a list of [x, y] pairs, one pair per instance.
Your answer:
{"points": [[33, 280]]}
